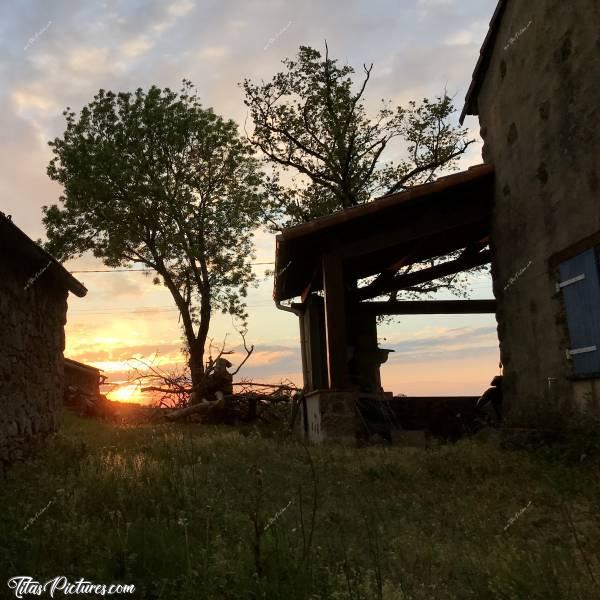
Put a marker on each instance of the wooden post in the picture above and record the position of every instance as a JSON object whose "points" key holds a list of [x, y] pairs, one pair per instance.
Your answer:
{"points": [[313, 341], [335, 322]]}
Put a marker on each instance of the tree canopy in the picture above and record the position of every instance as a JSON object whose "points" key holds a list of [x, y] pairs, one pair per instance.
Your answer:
{"points": [[327, 152], [154, 178], [310, 121]]}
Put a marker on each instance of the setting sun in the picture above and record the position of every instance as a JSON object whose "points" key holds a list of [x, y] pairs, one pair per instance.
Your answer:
{"points": [[125, 393]]}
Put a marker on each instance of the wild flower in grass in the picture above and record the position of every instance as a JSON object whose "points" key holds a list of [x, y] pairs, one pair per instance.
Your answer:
{"points": [[182, 521]]}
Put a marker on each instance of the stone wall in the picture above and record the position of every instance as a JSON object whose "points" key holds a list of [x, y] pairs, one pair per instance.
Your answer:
{"points": [[31, 357], [329, 414], [539, 110]]}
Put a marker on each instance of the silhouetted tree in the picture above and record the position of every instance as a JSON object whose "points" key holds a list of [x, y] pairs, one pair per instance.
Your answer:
{"points": [[310, 121], [327, 153], [154, 178]]}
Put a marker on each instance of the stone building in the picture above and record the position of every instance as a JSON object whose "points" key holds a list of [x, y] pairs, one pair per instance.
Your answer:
{"points": [[536, 90], [535, 202], [33, 307]]}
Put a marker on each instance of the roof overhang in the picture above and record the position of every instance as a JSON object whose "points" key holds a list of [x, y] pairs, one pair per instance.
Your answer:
{"points": [[13, 240], [422, 222], [483, 62], [79, 366]]}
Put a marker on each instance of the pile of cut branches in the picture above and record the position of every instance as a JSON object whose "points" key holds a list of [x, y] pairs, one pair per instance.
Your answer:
{"points": [[250, 402], [219, 399]]}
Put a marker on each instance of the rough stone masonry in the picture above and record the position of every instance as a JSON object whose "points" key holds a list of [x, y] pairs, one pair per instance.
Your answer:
{"points": [[33, 313], [538, 102]]}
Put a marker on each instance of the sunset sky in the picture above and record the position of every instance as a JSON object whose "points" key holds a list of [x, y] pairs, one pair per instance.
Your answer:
{"points": [[58, 53]]}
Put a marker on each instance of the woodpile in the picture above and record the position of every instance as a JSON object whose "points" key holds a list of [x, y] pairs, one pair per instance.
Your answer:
{"points": [[85, 404], [252, 402]]}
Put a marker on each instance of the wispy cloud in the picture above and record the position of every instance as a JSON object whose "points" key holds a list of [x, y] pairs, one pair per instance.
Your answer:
{"points": [[418, 47]]}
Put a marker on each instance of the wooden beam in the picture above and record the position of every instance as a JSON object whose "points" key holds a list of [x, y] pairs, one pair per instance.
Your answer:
{"points": [[306, 292], [442, 218], [577, 248], [335, 322], [390, 272], [463, 263], [429, 307], [443, 244]]}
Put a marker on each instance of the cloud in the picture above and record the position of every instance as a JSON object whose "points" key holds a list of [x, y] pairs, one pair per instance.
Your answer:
{"points": [[136, 47], [417, 46], [118, 285], [433, 4], [181, 8], [114, 349], [445, 343], [427, 8], [26, 100], [84, 59], [262, 358], [212, 52], [473, 34]]}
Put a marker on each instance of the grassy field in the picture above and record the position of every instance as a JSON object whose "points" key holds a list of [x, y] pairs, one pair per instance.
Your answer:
{"points": [[199, 512]]}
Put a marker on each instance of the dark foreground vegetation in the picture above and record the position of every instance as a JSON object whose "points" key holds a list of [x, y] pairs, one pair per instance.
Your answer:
{"points": [[186, 511]]}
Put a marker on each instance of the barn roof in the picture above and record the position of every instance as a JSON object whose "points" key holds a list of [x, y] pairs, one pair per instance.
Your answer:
{"points": [[470, 107], [69, 362], [20, 245], [424, 221]]}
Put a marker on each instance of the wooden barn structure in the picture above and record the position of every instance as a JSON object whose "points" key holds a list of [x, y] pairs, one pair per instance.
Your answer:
{"points": [[326, 262], [82, 384]]}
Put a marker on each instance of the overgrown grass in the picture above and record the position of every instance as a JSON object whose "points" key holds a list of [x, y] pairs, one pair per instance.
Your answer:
{"points": [[199, 512]]}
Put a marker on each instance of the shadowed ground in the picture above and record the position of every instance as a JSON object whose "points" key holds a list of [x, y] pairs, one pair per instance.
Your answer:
{"points": [[185, 511]]}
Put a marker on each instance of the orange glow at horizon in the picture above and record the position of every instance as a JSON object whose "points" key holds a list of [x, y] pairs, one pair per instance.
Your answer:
{"points": [[128, 392], [435, 354]]}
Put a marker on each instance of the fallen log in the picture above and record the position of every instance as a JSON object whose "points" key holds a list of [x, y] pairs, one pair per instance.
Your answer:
{"points": [[273, 386], [180, 413], [203, 405]]}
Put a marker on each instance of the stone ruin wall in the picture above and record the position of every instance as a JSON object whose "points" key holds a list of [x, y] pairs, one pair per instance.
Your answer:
{"points": [[31, 357], [539, 109]]}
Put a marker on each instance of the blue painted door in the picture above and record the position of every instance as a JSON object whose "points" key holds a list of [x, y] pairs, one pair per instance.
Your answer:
{"points": [[580, 285]]}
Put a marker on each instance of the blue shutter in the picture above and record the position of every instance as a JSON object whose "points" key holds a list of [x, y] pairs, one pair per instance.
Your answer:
{"points": [[580, 285]]}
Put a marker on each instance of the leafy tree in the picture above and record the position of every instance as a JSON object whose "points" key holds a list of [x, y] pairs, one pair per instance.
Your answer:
{"points": [[312, 126], [153, 178]]}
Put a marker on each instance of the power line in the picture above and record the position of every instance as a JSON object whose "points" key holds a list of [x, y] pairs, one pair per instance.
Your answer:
{"points": [[116, 310], [142, 310], [116, 271], [146, 270]]}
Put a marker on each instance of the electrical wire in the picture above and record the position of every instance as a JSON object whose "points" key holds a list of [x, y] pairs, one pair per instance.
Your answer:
{"points": [[142, 310], [145, 270]]}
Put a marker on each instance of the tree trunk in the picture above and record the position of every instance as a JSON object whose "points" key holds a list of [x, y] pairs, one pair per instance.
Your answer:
{"points": [[196, 364], [198, 345]]}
